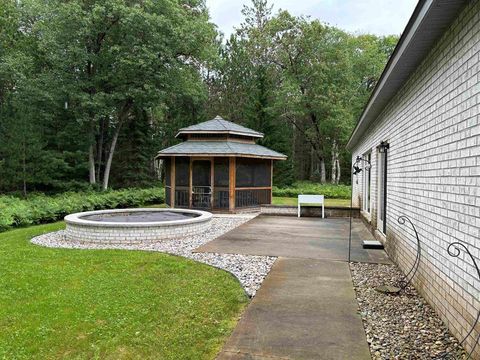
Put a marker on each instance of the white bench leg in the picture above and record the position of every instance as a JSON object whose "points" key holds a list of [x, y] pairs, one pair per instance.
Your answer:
{"points": [[298, 210], [323, 211]]}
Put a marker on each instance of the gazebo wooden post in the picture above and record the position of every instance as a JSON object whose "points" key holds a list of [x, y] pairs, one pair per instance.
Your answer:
{"points": [[212, 182], [172, 183], [271, 181], [190, 184], [231, 184]]}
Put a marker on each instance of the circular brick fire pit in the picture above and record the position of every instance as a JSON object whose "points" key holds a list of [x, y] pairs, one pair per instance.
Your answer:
{"points": [[133, 226]]}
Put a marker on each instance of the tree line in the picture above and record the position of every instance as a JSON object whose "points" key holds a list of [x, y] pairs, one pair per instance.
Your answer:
{"points": [[90, 90]]}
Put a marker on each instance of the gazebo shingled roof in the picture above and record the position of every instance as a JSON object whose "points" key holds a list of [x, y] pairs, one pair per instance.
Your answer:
{"points": [[218, 125], [221, 148], [227, 147]]}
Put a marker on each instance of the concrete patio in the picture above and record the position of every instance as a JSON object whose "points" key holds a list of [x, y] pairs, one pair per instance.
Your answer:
{"points": [[306, 307], [292, 237]]}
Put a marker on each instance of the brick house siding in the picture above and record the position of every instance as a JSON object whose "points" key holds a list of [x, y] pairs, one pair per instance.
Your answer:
{"points": [[432, 126]]}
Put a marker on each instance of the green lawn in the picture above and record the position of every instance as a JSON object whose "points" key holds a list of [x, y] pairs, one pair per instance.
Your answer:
{"points": [[293, 201], [110, 304]]}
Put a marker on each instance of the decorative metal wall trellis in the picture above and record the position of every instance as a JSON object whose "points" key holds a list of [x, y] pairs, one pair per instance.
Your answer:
{"points": [[454, 249], [408, 277]]}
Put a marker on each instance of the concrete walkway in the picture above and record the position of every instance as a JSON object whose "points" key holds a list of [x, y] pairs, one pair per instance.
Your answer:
{"points": [[306, 307]]}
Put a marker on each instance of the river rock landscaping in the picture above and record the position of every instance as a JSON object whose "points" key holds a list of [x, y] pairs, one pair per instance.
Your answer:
{"points": [[250, 270], [399, 326]]}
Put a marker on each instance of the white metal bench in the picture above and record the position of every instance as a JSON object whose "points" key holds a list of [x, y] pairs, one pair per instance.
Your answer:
{"points": [[312, 199]]}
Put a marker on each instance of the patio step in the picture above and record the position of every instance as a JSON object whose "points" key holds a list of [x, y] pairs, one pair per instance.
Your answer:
{"points": [[372, 244]]}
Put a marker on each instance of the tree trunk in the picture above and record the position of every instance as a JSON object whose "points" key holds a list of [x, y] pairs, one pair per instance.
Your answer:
{"points": [[334, 164], [91, 164], [100, 147], [339, 173], [323, 175], [159, 169], [108, 165]]}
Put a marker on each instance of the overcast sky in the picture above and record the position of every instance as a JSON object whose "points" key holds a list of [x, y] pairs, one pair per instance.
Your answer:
{"points": [[381, 17]]}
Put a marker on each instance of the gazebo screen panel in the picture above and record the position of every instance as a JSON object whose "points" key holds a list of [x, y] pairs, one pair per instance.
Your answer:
{"points": [[182, 180], [221, 168], [201, 184], [221, 183], [253, 173], [182, 171], [201, 173], [253, 182]]}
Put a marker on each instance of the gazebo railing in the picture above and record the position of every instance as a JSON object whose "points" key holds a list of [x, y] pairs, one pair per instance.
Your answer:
{"points": [[221, 198], [202, 197], [251, 197], [181, 196]]}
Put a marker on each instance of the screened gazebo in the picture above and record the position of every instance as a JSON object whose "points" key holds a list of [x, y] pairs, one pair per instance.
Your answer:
{"points": [[218, 166]]}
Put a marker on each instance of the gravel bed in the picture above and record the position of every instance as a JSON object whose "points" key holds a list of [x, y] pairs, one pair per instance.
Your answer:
{"points": [[250, 270], [399, 326]]}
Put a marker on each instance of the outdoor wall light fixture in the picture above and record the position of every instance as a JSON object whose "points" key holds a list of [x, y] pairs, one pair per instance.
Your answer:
{"points": [[383, 147]]}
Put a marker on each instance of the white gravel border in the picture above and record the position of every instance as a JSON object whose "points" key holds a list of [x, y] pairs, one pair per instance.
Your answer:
{"points": [[248, 269]]}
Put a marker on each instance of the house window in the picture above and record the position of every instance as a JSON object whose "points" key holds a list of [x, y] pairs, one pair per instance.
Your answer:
{"points": [[366, 183]]}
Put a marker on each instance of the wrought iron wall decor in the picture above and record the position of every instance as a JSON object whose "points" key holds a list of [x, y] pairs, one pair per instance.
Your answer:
{"points": [[454, 249], [356, 169], [408, 277]]}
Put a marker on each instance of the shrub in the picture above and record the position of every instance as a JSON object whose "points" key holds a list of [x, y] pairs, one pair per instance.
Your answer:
{"points": [[39, 208], [304, 187]]}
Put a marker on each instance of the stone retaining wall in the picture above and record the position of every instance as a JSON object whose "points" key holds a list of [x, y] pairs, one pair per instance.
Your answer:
{"points": [[132, 235], [309, 211], [80, 228]]}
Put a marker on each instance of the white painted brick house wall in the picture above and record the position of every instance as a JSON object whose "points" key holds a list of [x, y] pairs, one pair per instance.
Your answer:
{"points": [[433, 128]]}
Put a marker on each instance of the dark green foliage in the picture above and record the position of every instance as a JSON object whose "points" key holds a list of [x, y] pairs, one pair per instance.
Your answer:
{"points": [[304, 187], [133, 165], [37, 209], [77, 75]]}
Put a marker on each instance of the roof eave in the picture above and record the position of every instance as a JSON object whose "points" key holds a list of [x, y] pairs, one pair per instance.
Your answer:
{"points": [[427, 23], [185, 132], [164, 155]]}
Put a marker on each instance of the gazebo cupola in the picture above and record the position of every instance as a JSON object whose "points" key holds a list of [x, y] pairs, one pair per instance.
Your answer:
{"points": [[218, 166]]}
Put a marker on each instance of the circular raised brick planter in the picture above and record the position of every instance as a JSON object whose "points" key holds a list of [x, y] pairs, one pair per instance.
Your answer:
{"points": [[138, 225]]}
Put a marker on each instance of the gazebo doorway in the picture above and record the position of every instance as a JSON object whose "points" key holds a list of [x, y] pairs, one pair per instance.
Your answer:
{"points": [[202, 184]]}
